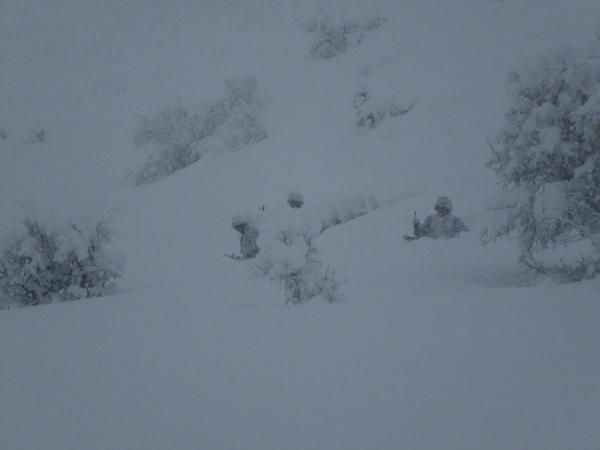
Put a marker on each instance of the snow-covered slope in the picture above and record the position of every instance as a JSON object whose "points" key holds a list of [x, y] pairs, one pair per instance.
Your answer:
{"points": [[434, 346]]}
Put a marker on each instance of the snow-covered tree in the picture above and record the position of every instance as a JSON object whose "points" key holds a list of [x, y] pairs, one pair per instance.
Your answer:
{"points": [[547, 157], [182, 136], [41, 265]]}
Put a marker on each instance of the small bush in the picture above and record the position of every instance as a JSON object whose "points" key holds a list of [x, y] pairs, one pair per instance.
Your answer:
{"points": [[40, 266], [370, 112], [183, 136], [289, 257], [333, 39], [310, 280], [547, 157], [294, 264]]}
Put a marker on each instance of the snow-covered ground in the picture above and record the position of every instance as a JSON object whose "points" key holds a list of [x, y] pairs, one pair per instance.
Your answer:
{"points": [[435, 346]]}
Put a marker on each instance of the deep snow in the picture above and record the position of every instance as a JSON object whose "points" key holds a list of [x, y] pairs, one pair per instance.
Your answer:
{"points": [[435, 345]]}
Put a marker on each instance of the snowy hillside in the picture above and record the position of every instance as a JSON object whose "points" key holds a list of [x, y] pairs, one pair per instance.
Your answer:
{"points": [[435, 344]]}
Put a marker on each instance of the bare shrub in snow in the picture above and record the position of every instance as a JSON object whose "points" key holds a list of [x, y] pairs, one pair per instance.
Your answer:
{"points": [[370, 111], [39, 265], [182, 136], [335, 38], [547, 157]]}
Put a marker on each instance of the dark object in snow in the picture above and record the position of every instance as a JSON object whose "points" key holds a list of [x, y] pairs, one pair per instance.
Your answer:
{"points": [[295, 199], [416, 223], [249, 235]]}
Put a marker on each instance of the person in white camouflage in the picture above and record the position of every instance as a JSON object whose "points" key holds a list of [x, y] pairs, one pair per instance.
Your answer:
{"points": [[249, 235], [442, 224]]}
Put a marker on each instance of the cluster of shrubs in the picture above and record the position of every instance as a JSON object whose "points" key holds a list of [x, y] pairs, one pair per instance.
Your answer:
{"points": [[41, 266], [182, 136], [336, 38]]}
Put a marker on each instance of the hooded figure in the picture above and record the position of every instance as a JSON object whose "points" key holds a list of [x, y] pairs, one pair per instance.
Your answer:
{"points": [[249, 235], [442, 224]]}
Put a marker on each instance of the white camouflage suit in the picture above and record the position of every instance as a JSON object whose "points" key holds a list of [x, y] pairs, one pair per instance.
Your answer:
{"points": [[436, 226], [441, 226]]}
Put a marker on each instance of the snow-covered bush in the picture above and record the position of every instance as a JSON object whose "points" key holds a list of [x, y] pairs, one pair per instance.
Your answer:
{"points": [[547, 157], [182, 136], [294, 264], [370, 111], [335, 38], [39, 265], [289, 257], [342, 211]]}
